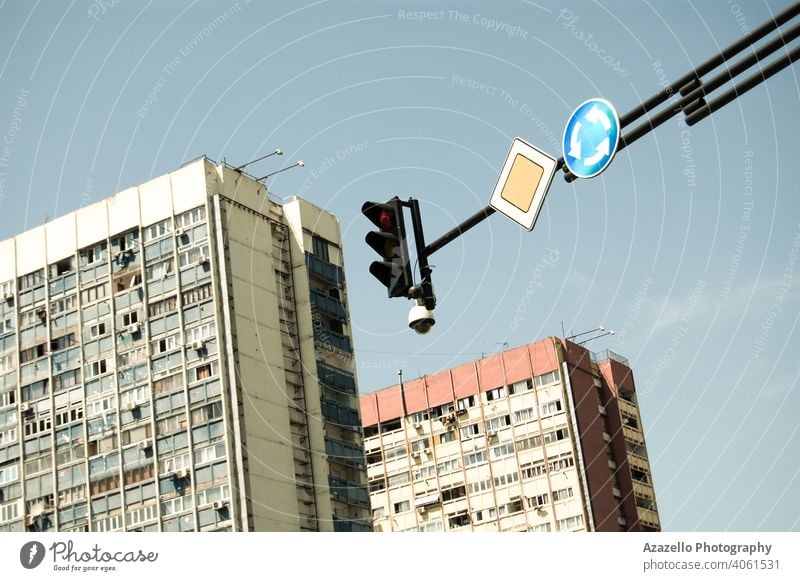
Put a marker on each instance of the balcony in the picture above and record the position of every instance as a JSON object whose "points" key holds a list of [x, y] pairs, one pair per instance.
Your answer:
{"points": [[340, 415], [336, 379], [328, 305], [324, 270], [332, 340]]}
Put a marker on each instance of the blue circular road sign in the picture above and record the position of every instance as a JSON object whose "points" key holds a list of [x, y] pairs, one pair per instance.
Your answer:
{"points": [[591, 138]]}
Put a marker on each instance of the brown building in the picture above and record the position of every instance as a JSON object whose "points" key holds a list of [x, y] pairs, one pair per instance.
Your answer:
{"points": [[544, 437]]}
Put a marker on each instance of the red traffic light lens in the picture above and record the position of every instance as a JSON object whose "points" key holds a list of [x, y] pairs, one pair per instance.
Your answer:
{"points": [[385, 220]]}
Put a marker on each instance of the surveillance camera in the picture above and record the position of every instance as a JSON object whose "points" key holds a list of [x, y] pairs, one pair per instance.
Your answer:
{"points": [[421, 319]]}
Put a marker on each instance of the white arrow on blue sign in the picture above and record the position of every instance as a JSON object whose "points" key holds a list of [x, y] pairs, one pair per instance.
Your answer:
{"points": [[591, 138]]}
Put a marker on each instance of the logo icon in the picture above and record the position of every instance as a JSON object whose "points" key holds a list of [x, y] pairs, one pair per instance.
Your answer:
{"points": [[31, 554], [591, 138]]}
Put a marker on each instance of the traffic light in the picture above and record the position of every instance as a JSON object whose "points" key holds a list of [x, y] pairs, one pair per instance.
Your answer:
{"points": [[394, 270]]}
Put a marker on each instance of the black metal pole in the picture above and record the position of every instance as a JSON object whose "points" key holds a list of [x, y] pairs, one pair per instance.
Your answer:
{"points": [[754, 36], [425, 271], [473, 220], [738, 90]]}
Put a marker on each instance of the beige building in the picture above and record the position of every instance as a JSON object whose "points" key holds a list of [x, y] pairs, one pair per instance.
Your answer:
{"points": [[544, 437], [177, 357]]}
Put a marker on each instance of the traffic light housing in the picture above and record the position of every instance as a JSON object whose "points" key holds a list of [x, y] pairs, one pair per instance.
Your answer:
{"points": [[389, 241]]}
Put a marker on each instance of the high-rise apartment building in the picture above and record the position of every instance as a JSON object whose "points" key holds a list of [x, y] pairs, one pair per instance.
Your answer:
{"points": [[544, 437], [177, 357]]}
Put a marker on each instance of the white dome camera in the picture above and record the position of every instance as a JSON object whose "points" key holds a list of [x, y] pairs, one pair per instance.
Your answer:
{"points": [[421, 319]]}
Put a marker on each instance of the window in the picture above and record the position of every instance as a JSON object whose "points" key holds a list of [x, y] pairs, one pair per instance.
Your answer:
{"points": [[420, 445], [419, 417], [562, 462], [29, 281], [532, 469], [398, 479], [94, 293], [542, 528], [431, 527], [162, 306], [196, 294], [470, 431], [379, 512], [494, 394], [453, 493], [514, 506], [160, 269], [6, 326], [320, 248], [458, 520], [520, 386], [448, 466], [480, 486], [9, 474], [562, 494], [98, 330], [539, 500], [525, 415], [402, 506], [475, 458], [395, 452], [504, 479], [190, 217], [466, 402], [547, 378], [425, 472], [203, 372], [498, 422], [630, 421], [93, 255], [502, 450], [447, 437], [129, 319], [97, 368], [556, 435], [156, 230], [569, 523], [551, 407]]}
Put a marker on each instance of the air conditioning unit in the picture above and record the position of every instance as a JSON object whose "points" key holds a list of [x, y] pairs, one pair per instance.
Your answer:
{"points": [[202, 259], [428, 451], [7, 296], [415, 454], [461, 412], [416, 425], [219, 504], [145, 444], [491, 433], [181, 473], [29, 520], [133, 328], [25, 408], [130, 406], [198, 345], [179, 232], [422, 510]]}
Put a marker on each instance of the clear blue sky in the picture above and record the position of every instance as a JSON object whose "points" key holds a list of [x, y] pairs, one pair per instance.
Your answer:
{"points": [[684, 246]]}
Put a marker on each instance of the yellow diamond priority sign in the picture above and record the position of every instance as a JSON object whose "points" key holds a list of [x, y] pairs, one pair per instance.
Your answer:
{"points": [[523, 183]]}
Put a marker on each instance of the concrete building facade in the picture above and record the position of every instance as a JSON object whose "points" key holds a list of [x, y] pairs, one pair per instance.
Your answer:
{"points": [[178, 358], [544, 437]]}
